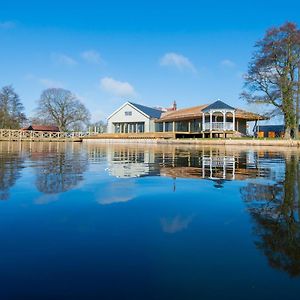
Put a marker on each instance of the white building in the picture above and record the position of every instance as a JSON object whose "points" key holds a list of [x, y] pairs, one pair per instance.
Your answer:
{"points": [[132, 118], [217, 119]]}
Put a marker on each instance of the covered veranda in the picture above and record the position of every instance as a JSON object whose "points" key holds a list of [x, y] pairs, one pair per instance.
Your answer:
{"points": [[215, 120]]}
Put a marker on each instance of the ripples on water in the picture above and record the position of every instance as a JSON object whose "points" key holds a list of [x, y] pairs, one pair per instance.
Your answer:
{"points": [[92, 221]]}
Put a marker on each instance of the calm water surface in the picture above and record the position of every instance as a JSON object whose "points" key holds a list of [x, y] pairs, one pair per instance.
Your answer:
{"points": [[92, 221]]}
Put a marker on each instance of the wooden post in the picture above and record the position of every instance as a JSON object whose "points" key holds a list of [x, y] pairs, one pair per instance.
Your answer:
{"points": [[233, 119]]}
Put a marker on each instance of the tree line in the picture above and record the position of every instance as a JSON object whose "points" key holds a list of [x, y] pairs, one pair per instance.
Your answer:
{"points": [[56, 106]]}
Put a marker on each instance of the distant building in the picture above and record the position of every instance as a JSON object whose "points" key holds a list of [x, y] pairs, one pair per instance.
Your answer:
{"points": [[50, 128], [270, 131], [212, 120]]}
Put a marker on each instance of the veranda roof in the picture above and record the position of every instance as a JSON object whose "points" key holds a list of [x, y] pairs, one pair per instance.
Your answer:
{"points": [[195, 112]]}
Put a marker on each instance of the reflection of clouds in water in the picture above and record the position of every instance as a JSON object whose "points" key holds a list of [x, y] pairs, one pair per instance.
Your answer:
{"points": [[46, 199], [176, 224], [118, 191]]}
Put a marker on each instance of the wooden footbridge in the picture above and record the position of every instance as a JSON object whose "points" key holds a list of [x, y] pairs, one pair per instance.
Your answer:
{"points": [[43, 136]]}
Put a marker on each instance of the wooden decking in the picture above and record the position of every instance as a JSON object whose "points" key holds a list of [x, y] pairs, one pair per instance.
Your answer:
{"points": [[162, 135], [144, 135], [42, 136]]}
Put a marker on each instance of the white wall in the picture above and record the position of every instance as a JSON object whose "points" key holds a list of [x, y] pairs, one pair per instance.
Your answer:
{"points": [[120, 117]]}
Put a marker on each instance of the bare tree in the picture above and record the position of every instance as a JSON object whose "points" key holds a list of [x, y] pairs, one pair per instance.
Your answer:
{"points": [[11, 109], [99, 126], [272, 74], [297, 103], [63, 108]]}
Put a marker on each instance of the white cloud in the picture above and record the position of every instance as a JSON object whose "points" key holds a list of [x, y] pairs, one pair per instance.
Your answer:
{"points": [[91, 56], [63, 59], [227, 63], [117, 88], [177, 60], [175, 224], [117, 192], [7, 25]]}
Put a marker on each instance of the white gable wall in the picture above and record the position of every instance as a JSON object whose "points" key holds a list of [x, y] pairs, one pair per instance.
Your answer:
{"points": [[136, 116]]}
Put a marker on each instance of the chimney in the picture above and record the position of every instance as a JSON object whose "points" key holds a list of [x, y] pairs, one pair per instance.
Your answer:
{"points": [[174, 106]]}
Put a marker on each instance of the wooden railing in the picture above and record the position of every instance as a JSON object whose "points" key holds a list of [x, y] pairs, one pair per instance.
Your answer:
{"points": [[29, 135], [228, 126]]}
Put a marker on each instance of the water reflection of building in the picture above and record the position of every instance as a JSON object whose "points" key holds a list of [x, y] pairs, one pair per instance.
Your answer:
{"points": [[131, 162], [204, 163]]}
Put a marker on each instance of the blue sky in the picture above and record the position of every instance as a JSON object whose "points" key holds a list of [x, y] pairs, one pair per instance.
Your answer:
{"points": [[153, 52]]}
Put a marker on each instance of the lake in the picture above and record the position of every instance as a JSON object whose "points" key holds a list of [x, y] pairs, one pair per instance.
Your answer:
{"points": [[108, 221]]}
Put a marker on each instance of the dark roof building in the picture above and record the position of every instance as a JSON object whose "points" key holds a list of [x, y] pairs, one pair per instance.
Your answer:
{"points": [[269, 128], [218, 105], [153, 113]]}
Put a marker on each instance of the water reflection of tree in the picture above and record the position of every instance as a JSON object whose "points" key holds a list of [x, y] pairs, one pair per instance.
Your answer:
{"points": [[61, 171], [11, 164], [275, 209]]}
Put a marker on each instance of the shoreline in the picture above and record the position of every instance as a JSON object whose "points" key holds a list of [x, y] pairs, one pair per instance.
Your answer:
{"points": [[207, 142]]}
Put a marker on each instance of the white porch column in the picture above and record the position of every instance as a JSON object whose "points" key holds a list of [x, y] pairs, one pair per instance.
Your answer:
{"points": [[203, 121], [164, 126], [224, 120], [189, 126], [173, 126], [210, 120], [233, 119]]}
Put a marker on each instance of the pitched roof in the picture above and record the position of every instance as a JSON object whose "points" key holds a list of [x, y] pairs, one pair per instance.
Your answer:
{"points": [[218, 105], [41, 128], [149, 111], [196, 112], [184, 113]]}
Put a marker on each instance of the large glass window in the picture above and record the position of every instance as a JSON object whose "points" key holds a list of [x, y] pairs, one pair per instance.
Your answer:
{"points": [[117, 127], [141, 127], [158, 127], [196, 125], [182, 126], [169, 126], [129, 127]]}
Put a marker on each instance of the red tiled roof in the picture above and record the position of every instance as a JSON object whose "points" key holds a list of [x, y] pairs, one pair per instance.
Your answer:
{"points": [[42, 128]]}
